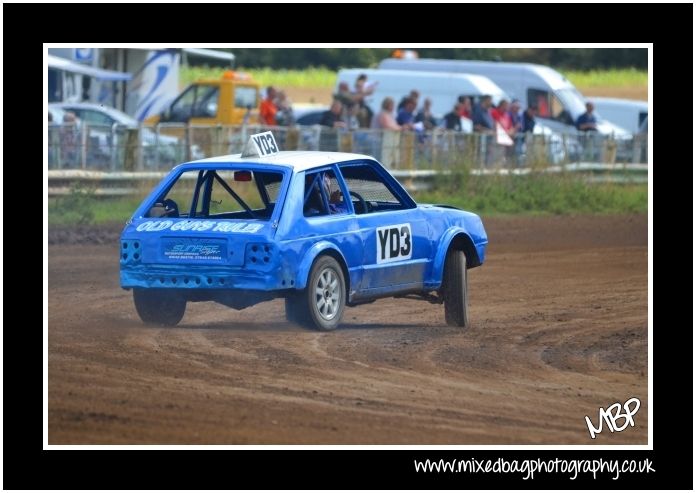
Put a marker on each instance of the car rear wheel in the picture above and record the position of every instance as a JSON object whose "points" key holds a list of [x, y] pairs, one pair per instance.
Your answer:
{"points": [[159, 306], [326, 293], [320, 305], [455, 289], [296, 309]]}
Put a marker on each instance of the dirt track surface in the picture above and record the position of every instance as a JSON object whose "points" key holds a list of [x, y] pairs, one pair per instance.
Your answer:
{"points": [[559, 330]]}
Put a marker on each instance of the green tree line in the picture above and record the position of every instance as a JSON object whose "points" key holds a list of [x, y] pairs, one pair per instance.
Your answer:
{"points": [[336, 58]]}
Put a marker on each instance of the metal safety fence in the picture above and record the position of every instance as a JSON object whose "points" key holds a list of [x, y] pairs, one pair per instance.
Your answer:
{"points": [[159, 147], [117, 183]]}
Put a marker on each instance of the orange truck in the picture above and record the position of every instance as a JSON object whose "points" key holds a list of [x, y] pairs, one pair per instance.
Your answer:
{"points": [[232, 99]]}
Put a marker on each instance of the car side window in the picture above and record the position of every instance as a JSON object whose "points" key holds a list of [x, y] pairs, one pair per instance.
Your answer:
{"points": [[93, 117], [206, 102], [314, 203], [548, 106], [540, 99], [323, 195], [245, 97], [369, 192], [181, 108]]}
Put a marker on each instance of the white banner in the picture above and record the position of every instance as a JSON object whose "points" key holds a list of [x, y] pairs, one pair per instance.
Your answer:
{"points": [[502, 137]]}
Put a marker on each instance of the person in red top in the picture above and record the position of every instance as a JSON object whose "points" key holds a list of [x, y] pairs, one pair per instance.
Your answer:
{"points": [[268, 109], [501, 115], [465, 106]]}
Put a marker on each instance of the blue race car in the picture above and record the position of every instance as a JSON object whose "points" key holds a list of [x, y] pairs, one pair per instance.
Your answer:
{"points": [[321, 229]]}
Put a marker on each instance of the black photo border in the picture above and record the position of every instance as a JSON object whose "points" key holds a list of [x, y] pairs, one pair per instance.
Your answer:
{"points": [[672, 455]]}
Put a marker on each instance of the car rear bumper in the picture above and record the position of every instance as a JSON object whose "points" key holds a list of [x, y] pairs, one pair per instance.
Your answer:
{"points": [[167, 276]]}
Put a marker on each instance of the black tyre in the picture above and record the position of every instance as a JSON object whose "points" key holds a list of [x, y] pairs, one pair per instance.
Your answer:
{"points": [[454, 289], [159, 306], [325, 295], [296, 309]]}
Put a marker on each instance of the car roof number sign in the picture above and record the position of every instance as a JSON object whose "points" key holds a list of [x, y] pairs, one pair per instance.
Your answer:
{"points": [[260, 145]]}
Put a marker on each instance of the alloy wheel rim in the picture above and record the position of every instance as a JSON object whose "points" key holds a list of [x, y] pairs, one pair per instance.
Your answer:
{"points": [[327, 294]]}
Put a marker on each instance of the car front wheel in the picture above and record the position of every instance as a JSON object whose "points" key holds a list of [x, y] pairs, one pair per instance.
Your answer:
{"points": [[455, 289], [159, 306]]}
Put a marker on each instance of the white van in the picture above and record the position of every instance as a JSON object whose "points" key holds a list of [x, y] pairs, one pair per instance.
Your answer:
{"points": [[627, 113], [442, 88], [559, 102]]}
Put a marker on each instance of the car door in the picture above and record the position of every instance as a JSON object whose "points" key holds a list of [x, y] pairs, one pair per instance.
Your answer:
{"points": [[394, 233], [327, 216]]}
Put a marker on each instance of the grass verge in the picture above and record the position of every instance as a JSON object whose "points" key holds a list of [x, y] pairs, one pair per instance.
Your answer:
{"points": [[310, 78], [536, 194], [532, 194], [608, 78], [323, 78], [72, 211]]}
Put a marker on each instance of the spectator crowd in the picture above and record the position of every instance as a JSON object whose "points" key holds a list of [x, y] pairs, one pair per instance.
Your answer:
{"points": [[349, 110]]}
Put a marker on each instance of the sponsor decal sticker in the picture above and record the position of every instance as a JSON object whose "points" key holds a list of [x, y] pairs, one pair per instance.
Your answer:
{"points": [[193, 249], [194, 225]]}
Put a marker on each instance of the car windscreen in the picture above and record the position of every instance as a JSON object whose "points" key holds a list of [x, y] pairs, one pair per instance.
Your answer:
{"points": [[220, 194]]}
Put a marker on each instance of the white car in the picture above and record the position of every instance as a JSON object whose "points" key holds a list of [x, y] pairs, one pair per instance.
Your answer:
{"points": [[107, 124]]}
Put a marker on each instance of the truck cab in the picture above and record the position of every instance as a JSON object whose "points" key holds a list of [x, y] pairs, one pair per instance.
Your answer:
{"points": [[230, 100]]}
